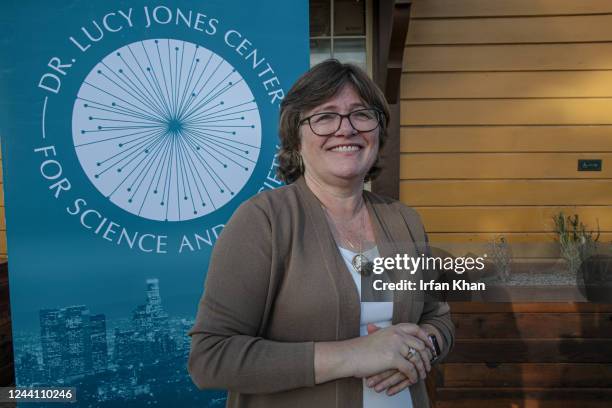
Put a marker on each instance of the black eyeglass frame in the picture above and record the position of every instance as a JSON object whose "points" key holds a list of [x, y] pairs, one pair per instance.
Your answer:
{"points": [[379, 115]]}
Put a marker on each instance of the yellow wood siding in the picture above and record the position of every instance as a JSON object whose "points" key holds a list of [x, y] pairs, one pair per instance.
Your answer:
{"points": [[507, 192], [548, 111], [508, 57], [512, 30], [499, 100], [436, 139], [478, 8], [500, 166], [553, 84], [515, 219]]}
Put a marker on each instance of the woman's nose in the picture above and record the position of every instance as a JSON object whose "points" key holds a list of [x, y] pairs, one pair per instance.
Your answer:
{"points": [[346, 128]]}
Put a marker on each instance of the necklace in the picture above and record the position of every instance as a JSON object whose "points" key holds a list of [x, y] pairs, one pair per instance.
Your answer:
{"points": [[360, 261]]}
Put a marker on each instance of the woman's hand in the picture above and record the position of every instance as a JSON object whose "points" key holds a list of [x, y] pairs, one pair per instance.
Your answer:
{"points": [[388, 349], [394, 381], [383, 350]]}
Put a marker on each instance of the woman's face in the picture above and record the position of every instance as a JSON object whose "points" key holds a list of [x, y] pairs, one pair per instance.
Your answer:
{"points": [[347, 154]]}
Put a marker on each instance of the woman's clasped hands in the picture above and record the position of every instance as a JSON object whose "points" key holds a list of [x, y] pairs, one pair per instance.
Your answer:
{"points": [[393, 358]]}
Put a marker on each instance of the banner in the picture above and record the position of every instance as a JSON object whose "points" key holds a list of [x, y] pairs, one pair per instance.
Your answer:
{"points": [[131, 131]]}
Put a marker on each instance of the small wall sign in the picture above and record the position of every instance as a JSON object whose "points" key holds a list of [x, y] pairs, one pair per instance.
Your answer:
{"points": [[589, 165]]}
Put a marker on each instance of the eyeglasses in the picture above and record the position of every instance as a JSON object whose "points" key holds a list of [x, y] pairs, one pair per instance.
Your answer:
{"points": [[328, 123]]}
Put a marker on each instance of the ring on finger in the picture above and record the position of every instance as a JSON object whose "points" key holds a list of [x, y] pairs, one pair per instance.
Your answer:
{"points": [[411, 353]]}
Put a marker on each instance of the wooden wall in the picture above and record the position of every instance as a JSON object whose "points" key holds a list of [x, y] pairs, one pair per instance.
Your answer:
{"points": [[544, 355], [499, 101], [500, 98], [7, 376]]}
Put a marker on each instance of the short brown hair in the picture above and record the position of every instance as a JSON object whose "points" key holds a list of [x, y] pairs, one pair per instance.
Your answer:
{"points": [[315, 87]]}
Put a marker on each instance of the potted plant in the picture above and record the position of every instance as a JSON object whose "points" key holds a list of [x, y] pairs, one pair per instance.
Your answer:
{"points": [[579, 247]]}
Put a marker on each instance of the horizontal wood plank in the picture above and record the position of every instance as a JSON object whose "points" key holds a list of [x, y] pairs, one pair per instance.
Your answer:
{"points": [[528, 350], [510, 219], [525, 375], [525, 248], [506, 112], [548, 84], [433, 139], [533, 325], [529, 251], [512, 237], [506, 192], [523, 397], [3, 250], [513, 57], [532, 307], [415, 166], [463, 8], [509, 30]]}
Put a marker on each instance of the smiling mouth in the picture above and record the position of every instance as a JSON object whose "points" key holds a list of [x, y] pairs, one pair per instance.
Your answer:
{"points": [[346, 148]]}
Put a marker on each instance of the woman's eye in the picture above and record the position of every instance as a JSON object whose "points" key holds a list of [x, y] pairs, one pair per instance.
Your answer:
{"points": [[365, 115], [323, 118]]}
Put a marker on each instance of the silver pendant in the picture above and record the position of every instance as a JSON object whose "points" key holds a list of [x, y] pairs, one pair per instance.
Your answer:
{"points": [[362, 264]]}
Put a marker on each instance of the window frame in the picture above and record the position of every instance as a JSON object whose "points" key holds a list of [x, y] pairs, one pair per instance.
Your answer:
{"points": [[368, 37]]}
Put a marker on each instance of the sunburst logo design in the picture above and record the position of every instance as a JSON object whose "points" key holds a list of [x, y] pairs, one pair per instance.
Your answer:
{"points": [[167, 130]]}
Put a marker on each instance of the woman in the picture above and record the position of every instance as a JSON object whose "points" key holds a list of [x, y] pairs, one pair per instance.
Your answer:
{"points": [[280, 323]]}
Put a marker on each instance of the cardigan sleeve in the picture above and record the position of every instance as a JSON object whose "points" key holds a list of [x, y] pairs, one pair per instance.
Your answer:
{"points": [[438, 315], [226, 351], [435, 313]]}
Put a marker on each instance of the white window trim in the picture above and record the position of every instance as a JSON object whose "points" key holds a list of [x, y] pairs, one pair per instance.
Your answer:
{"points": [[368, 37]]}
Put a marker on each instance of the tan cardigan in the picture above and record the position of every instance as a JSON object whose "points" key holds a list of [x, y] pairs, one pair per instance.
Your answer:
{"points": [[277, 284]]}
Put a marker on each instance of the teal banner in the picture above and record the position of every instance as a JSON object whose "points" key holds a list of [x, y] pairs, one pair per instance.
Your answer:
{"points": [[131, 131]]}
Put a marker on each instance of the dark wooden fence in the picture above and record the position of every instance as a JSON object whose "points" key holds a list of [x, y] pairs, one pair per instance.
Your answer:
{"points": [[7, 372], [526, 355]]}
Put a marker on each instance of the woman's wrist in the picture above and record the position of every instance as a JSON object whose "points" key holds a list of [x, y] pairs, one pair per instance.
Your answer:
{"points": [[334, 360], [430, 329]]}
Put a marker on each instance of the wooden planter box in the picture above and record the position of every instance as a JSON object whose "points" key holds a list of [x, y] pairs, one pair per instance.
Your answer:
{"points": [[7, 373]]}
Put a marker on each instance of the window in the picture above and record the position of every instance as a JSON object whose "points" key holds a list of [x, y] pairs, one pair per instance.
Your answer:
{"points": [[338, 29]]}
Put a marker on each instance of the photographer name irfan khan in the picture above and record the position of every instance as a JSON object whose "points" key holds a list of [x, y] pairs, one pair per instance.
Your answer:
{"points": [[461, 285]]}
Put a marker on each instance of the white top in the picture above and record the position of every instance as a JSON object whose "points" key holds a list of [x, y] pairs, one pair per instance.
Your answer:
{"points": [[380, 314]]}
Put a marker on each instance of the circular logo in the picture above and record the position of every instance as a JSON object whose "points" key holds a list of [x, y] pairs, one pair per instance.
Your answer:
{"points": [[166, 130]]}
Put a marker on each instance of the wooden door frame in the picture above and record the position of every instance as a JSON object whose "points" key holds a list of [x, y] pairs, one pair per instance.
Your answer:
{"points": [[390, 23]]}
